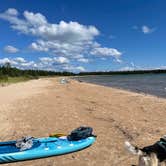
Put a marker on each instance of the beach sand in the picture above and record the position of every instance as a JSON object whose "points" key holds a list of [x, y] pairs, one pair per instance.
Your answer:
{"points": [[44, 106]]}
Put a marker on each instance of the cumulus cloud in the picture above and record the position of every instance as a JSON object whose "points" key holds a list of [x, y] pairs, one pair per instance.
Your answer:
{"points": [[162, 67], [20, 60], [53, 63], [132, 64], [58, 64], [147, 30], [74, 68], [83, 60], [43, 63], [67, 41], [4, 60], [127, 68], [118, 60], [46, 59], [37, 25], [11, 49], [28, 65], [38, 47], [144, 28], [61, 60], [80, 68], [104, 51], [12, 12]]}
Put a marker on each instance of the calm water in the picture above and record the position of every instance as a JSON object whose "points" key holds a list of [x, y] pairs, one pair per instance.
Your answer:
{"points": [[154, 84]]}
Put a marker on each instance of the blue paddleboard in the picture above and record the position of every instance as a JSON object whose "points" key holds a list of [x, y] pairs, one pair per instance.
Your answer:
{"points": [[42, 147]]}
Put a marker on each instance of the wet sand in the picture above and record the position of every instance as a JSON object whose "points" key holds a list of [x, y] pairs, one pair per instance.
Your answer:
{"points": [[44, 106]]}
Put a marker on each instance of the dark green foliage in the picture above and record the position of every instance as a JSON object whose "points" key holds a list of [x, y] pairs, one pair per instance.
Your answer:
{"points": [[4, 78], [124, 72], [8, 71]]}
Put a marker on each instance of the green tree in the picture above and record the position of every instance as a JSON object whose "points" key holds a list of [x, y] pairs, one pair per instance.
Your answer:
{"points": [[7, 65]]}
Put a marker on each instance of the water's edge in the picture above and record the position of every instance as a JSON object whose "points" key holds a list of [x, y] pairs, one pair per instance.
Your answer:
{"points": [[153, 84]]}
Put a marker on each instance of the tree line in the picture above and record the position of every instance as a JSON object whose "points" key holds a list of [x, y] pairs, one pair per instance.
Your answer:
{"points": [[7, 71], [155, 71]]}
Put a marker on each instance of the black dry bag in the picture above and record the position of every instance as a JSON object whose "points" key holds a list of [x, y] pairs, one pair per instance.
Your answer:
{"points": [[80, 133]]}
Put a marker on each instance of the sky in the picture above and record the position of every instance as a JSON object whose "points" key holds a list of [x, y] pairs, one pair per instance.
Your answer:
{"points": [[83, 35]]}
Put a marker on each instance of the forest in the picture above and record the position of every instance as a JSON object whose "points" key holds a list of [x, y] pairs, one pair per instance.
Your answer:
{"points": [[6, 72]]}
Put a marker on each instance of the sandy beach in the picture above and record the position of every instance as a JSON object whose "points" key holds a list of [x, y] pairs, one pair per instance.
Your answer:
{"points": [[44, 106]]}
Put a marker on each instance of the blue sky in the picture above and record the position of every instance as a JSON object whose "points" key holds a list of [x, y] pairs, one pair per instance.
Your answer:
{"points": [[84, 35]]}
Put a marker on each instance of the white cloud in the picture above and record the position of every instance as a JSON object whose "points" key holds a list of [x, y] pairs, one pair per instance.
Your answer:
{"points": [[37, 25], [64, 39], [58, 64], [132, 64], [104, 51], [118, 60], [70, 50], [11, 49], [20, 60], [80, 68], [61, 60], [27, 65], [103, 58], [127, 68], [46, 59], [35, 20], [4, 60], [134, 67], [44, 63], [12, 12], [54, 63], [7, 60], [163, 67], [38, 47], [83, 60], [74, 68], [147, 30], [144, 28]]}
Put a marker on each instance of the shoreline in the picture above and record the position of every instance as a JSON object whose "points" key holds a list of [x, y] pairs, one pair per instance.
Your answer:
{"points": [[126, 90], [130, 83], [44, 106]]}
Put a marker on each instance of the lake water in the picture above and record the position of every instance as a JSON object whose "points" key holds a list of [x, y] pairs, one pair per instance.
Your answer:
{"points": [[154, 84]]}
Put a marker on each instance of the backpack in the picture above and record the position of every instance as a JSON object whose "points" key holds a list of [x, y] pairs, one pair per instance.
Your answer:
{"points": [[80, 133]]}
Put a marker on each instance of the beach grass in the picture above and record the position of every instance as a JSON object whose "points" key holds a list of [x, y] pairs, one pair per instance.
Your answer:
{"points": [[10, 80]]}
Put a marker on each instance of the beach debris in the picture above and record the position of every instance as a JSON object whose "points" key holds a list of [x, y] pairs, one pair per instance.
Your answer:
{"points": [[79, 80], [3, 84], [64, 81]]}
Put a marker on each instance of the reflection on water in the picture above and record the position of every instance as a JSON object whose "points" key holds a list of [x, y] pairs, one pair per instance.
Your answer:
{"points": [[154, 84]]}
